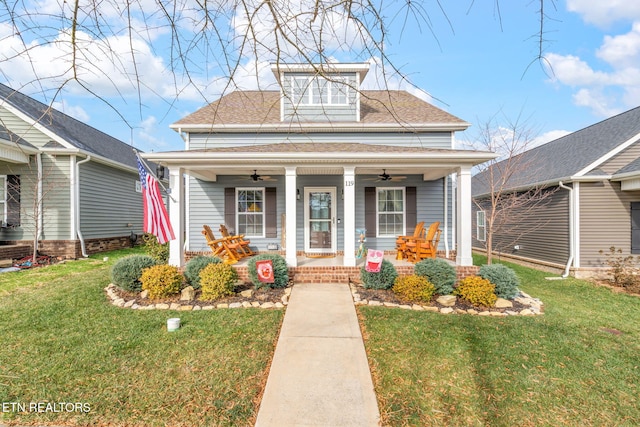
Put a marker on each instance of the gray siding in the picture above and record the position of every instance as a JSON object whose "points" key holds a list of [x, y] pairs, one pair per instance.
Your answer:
{"points": [[57, 197], [108, 202], [319, 113], [22, 128], [542, 232], [605, 220], [207, 206], [198, 141]]}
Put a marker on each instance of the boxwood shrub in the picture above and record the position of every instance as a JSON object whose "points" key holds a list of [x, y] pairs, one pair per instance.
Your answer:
{"points": [[503, 277], [195, 265], [382, 280], [280, 271]]}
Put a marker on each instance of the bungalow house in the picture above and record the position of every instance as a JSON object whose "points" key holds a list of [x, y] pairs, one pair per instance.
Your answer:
{"points": [[78, 186], [302, 169], [592, 178]]}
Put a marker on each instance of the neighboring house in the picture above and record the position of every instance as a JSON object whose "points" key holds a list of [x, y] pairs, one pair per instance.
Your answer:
{"points": [[592, 178], [88, 182], [301, 169]]}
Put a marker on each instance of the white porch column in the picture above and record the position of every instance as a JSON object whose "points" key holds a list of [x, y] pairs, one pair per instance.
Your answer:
{"points": [[176, 216], [291, 214], [463, 217], [349, 217]]}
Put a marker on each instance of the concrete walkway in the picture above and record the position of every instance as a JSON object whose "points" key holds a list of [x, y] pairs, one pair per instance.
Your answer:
{"points": [[319, 375]]}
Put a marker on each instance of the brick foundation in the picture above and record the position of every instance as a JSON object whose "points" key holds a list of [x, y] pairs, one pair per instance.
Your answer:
{"points": [[14, 251], [71, 249]]}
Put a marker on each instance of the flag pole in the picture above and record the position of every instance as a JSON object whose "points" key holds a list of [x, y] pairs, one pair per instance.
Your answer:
{"points": [[150, 171]]}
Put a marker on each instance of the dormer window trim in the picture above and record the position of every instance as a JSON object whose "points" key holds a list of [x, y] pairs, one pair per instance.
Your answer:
{"points": [[310, 90]]}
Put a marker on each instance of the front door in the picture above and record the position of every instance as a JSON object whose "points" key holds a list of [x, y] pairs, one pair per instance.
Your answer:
{"points": [[319, 218]]}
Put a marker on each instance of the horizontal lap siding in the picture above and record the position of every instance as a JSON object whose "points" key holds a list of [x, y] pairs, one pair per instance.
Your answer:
{"points": [[542, 233], [56, 191], [198, 141], [108, 202], [23, 129], [605, 220]]}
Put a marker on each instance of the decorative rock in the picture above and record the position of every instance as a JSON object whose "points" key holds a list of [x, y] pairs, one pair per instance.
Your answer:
{"points": [[375, 303], [162, 306], [119, 302], [247, 294], [503, 303], [484, 313], [267, 305], [511, 312], [285, 299], [186, 308], [222, 305], [431, 308], [235, 305], [472, 311], [188, 294], [390, 304], [129, 303], [135, 307], [287, 291], [447, 300], [363, 302], [446, 310], [144, 294], [279, 305], [405, 306], [174, 306], [498, 314], [246, 304], [197, 308], [417, 307], [148, 307], [208, 307], [460, 311], [526, 312]]}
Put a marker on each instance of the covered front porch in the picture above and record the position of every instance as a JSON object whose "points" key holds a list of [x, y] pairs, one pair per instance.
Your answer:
{"points": [[317, 195]]}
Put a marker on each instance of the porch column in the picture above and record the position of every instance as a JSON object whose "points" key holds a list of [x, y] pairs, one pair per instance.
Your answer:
{"points": [[463, 217], [291, 214], [176, 216], [349, 216]]}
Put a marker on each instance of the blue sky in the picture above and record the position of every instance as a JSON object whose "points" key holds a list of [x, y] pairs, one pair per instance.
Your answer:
{"points": [[479, 66]]}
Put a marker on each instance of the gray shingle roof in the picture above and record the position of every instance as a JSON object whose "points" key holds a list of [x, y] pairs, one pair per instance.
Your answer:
{"points": [[566, 156], [76, 133]]}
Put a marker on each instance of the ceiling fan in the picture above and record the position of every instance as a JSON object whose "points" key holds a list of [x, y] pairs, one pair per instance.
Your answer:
{"points": [[255, 177], [384, 176]]}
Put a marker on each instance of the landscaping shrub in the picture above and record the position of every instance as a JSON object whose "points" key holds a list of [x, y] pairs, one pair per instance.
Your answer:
{"points": [[413, 288], [381, 280], [159, 252], [504, 278], [195, 265], [217, 280], [161, 281], [624, 268], [439, 272], [477, 291], [126, 272], [280, 271]]}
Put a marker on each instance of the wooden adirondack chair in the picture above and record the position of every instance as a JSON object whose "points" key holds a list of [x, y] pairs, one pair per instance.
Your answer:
{"points": [[401, 241], [222, 248], [239, 239], [426, 247]]}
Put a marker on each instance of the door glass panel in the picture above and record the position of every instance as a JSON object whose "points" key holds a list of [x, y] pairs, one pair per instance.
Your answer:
{"points": [[320, 220]]}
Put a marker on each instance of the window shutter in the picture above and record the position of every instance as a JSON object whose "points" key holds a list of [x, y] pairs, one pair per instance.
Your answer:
{"points": [[370, 211], [13, 200], [230, 209], [411, 208], [271, 212]]}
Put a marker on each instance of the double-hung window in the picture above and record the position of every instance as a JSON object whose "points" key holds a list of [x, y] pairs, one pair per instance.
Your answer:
{"points": [[250, 218], [481, 228], [391, 211]]}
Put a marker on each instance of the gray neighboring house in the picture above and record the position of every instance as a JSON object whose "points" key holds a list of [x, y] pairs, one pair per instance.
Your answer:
{"points": [[594, 179], [303, 169], [89, 183]]}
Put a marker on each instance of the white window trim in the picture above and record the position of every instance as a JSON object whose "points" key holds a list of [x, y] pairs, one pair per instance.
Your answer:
{"points": [[482, 237], [404, 211], [309, 85], [238, 214], [3, 201]]}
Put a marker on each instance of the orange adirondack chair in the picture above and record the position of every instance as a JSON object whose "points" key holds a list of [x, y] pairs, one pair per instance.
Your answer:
{"points": [[239, 239], [222, 248], [401, 241], [427, 247]]}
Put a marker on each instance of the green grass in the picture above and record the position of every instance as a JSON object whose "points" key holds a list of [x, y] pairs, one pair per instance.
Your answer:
{"points": [[62, 342], [561, 368]]}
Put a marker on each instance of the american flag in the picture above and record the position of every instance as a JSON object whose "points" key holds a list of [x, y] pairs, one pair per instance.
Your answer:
{"points": [[156, 218]]}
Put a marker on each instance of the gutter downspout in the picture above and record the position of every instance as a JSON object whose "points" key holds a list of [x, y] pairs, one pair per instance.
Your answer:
{"points": [[77, 206], [571, 230]]}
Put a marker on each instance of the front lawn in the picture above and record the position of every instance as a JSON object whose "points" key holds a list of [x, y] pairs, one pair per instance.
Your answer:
{"points": [[63, 344], [578, 364]]}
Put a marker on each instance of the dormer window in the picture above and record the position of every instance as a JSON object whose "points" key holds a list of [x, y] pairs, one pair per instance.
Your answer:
{"points": [[314, 90]]}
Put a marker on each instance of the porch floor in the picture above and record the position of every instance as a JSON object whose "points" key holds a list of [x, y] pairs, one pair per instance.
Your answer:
{"points": [[336, 261]]}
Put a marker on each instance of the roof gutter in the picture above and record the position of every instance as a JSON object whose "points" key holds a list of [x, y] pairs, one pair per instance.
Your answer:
{"points": [[321, 127]]}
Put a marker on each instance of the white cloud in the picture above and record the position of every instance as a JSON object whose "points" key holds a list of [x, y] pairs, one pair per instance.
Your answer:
{"points": [[604, 13]]}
